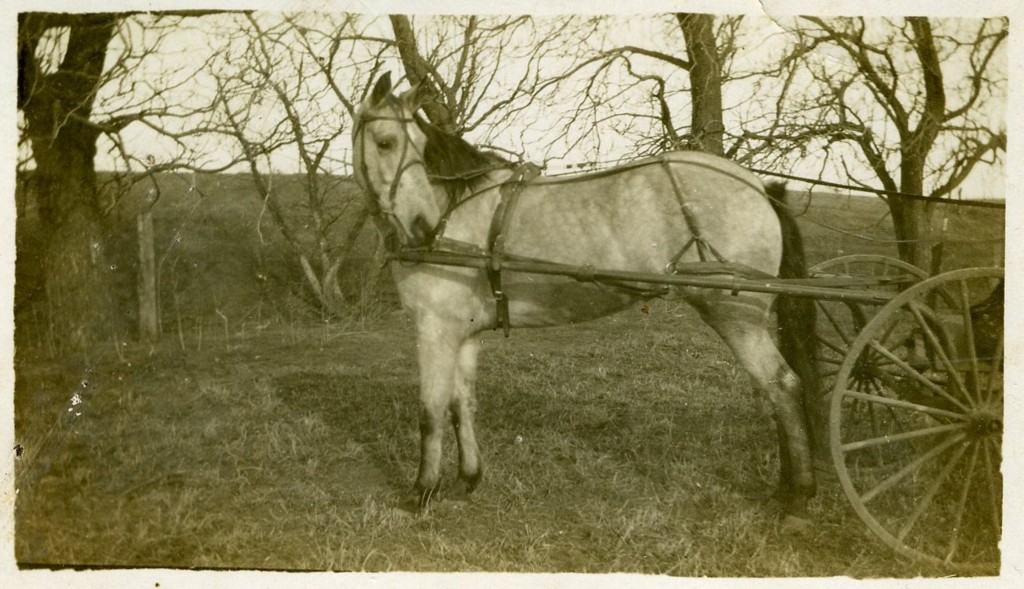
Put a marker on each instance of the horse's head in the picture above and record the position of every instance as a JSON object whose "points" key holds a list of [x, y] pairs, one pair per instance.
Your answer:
{"points": [[387, 157]]}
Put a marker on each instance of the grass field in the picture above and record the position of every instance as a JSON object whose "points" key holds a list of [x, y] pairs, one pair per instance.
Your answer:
{"points": [[630, 444]]}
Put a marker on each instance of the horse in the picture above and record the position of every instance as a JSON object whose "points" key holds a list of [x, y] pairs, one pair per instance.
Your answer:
{"points": [[432, 191]]}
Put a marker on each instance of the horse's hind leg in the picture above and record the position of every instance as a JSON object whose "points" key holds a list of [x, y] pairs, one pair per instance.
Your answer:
{"points": [[742, 321], [462, 406]]}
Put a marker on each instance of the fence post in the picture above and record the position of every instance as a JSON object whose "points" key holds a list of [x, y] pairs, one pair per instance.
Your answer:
{"points": [[936, 262], [149, 311]]}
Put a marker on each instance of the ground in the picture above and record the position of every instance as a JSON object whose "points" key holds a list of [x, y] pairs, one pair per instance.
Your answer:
{"points": [[628, 444]]}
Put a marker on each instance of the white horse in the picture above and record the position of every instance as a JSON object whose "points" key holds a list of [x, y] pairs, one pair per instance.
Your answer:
{"points": [[683, 210]]}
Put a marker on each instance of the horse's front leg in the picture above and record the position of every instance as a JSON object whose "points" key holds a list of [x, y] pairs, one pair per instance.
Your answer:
{"points": [[462, 407], [438, 357]]}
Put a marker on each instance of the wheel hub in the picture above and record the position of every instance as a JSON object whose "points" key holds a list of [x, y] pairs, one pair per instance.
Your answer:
{"points": [[984, 423]]}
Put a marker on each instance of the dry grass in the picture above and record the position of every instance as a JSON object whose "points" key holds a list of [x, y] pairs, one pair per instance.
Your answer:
{"points": [[630, 444]]}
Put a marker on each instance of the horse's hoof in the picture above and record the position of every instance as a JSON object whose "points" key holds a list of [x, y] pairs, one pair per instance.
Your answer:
{"points": [[417, 501], [411, 504], [780, 496], [471, 481], [463, 488], [795, 524]]}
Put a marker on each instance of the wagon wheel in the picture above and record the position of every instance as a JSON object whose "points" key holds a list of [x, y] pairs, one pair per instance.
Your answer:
{"points": [[839, 322], [916, 419]]}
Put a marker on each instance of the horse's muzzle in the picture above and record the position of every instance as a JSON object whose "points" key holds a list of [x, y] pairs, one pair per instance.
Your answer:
{"points": [[421, 233]]}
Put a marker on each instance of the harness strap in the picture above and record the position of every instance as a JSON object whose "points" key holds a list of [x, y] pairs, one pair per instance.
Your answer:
{"points": [[704, 249], [509, 192]]}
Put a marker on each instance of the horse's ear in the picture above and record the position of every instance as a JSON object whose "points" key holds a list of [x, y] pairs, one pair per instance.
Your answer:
{"points": [[382, 89], [413, 97]]}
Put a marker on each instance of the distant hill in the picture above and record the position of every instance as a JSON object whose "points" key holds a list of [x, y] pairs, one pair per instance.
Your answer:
{"points": [[224, 262], [222, 258], [835, 225]]}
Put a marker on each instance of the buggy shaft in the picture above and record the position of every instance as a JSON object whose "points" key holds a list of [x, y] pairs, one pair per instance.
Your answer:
{"points": [[798, 287]]}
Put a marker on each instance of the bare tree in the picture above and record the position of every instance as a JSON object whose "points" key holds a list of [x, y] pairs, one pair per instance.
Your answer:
{"points": [[915, 101], [283, 95], [101, 80], [75, 88], [637, 79], [56, 97], [479, 73], [705, 66]]}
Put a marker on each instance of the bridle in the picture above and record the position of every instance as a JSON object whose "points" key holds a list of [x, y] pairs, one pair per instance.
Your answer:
{"points": [[387, 214], [376, 208]]}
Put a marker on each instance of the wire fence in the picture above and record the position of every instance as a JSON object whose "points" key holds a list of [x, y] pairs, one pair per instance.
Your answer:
{"points": [[932, 199]]}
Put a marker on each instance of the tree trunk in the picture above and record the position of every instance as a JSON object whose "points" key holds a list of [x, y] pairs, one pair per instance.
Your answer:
{"points": [[912, 218], [418, 72], [81, 304], [706, 128], [80, 281]]}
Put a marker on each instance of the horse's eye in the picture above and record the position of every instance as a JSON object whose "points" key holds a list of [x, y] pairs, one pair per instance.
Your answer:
{"points": [[386, 144]]}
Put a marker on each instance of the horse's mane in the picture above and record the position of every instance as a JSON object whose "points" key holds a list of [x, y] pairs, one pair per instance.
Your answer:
{"points": [[454, 162]]}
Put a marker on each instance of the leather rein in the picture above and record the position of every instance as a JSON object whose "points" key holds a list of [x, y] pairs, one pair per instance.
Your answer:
{"points": [[509, 192]]}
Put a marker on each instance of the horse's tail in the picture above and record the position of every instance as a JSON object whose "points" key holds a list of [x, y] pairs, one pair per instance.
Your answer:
{"points": [[798, 317]]}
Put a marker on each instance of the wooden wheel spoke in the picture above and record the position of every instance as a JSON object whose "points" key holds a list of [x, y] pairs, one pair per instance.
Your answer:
{"points": [[887, 332], [874, 418], [917, 376], [961, 505], [994, 488], [906, 405], [995, 373], [835, 324], [887, 373], [890, 409], [926, 501], [902, 473], [901, 404], [940, 349], [833, 346], [972, 352], [902, 436], [879, 390], [859, 407]]}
